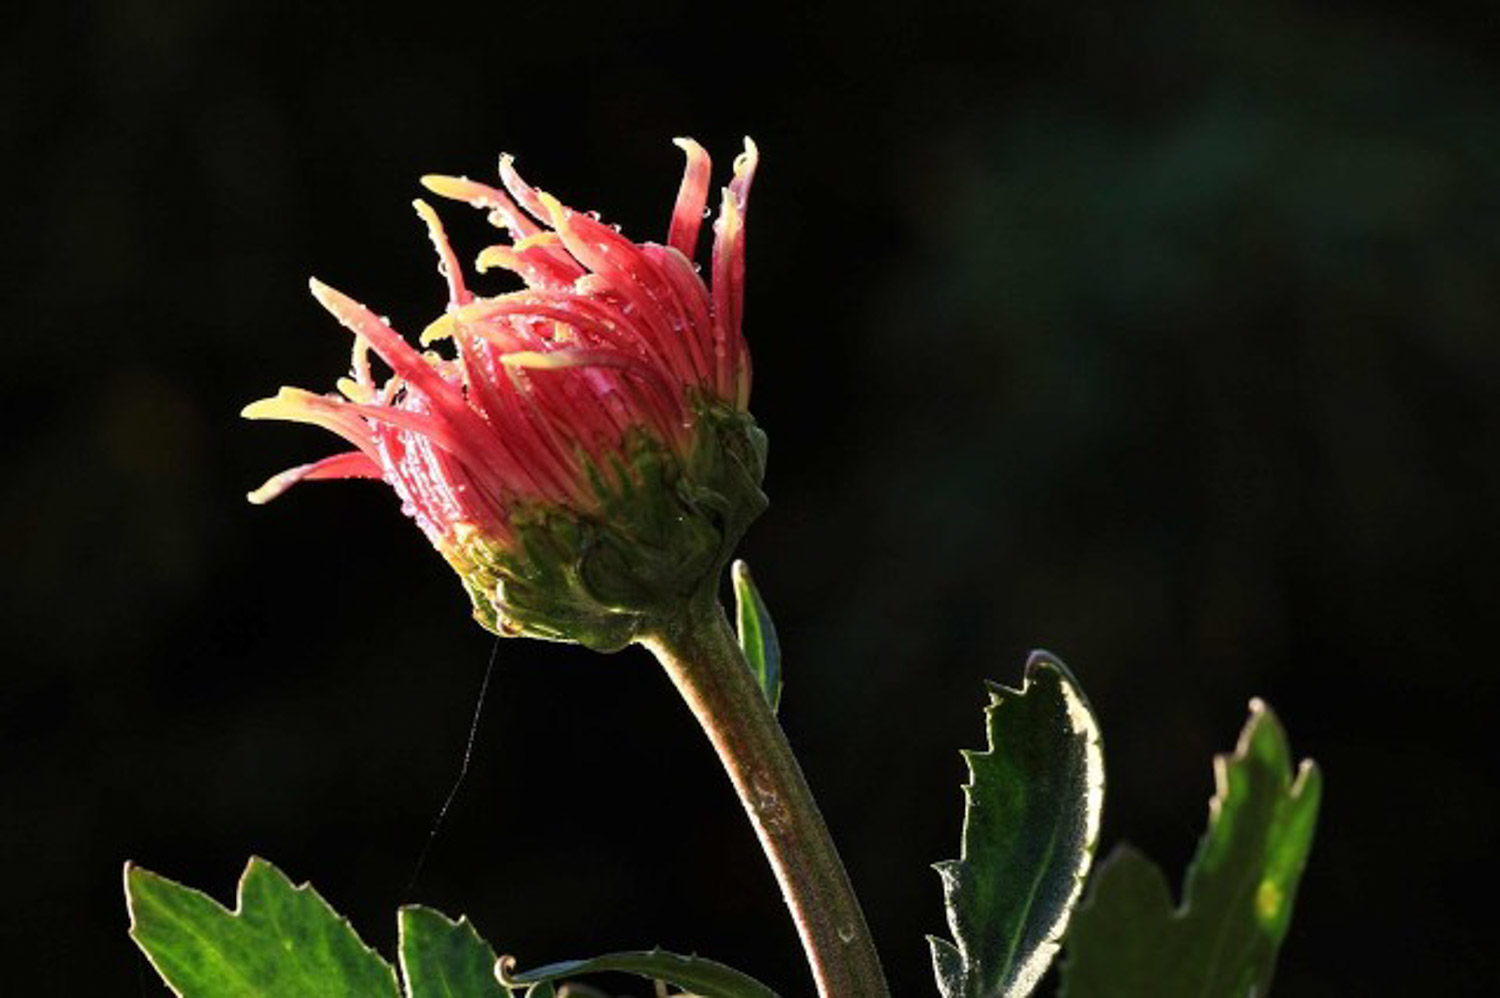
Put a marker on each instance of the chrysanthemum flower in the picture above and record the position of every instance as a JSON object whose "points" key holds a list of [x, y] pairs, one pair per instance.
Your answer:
{"points": [[581, 452]]}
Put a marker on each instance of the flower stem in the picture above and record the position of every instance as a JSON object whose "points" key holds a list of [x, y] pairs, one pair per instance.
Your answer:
{"points": [[704, 661]]}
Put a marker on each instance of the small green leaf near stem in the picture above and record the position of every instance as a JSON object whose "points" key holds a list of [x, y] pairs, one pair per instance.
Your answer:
{"points": [[757, 634]]}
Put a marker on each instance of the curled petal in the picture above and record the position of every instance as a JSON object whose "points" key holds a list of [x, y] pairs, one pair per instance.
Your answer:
{"points": [[405, 361], [350, 464], [692, 195], [501, 208], [744, 172], [295, 405], [540, 260], [385, 341], [729, 268], [528, 196], [453, 275]]}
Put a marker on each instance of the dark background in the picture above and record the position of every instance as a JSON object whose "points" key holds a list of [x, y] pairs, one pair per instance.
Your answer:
{"points": [[1164, 335]]}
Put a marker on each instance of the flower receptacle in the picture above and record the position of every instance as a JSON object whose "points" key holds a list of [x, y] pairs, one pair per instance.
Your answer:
{"points": [[665, 528]]}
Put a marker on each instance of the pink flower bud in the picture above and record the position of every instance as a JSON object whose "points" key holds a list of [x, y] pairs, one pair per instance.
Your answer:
{"points": [[582, 455]]}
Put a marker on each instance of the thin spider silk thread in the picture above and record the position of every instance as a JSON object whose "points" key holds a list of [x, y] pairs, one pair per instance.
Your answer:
{"points": [[463, 769]]}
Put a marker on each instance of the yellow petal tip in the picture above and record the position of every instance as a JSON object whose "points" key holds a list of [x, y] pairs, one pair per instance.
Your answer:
{"points": [[286, 403], [326, 296], [495, 256], [440, 328], [746, 161], [274, 486], [259, 409], [456, 188]]}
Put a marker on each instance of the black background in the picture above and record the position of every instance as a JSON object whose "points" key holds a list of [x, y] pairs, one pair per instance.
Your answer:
{"points": [[1164, 335]]}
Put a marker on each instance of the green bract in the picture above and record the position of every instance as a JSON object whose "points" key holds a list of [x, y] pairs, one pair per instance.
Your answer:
{"points": [[664, 530]]}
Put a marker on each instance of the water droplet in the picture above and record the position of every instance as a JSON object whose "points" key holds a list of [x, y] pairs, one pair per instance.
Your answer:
{"points": [[846, 933], [707, 211]]}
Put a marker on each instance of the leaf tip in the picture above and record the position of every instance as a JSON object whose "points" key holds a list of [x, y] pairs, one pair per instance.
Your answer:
{"points": [[739, 572], [129, 877], [1308, 782]]}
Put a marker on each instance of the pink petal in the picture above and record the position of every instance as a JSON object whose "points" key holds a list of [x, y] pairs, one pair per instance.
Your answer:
{"points": [[350, 464], [458, 295], [692, 195], [502, 209]]}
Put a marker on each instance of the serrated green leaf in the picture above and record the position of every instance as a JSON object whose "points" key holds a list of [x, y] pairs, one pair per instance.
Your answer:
{"points": [[281, 941], [691, 973], [1131, 940], [445, 959], [757, 634], [1031, 822]]}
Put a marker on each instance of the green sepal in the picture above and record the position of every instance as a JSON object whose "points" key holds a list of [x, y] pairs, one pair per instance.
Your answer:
{"points": [[757, 634], [1130, 939], [701, 977], [1031, 823], [281, 940], [664, 528], [441, 958]]}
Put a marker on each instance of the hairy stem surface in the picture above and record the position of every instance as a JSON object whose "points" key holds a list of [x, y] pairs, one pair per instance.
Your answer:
{"points": [[704, 661]]}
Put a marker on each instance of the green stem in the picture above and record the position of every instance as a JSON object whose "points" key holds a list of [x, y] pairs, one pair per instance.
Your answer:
{"points": [[704, 661]]}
